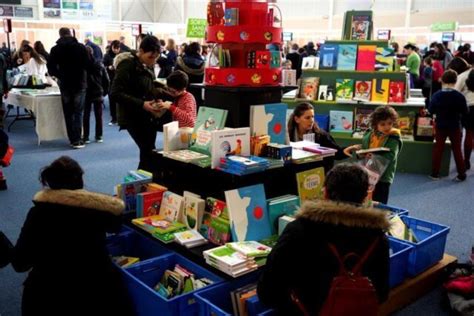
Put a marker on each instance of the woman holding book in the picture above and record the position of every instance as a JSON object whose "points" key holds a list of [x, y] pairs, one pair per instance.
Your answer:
{"points": [[63, 246]]}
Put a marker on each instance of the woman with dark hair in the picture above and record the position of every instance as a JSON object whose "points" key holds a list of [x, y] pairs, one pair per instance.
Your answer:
{"points": [[193, 64], [443, 55], [39, 48], [17, 59], [108, 61], [33, 63], [413, 63], [62, 244]]}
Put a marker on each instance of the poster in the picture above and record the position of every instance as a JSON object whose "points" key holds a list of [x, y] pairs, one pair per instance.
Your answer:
{"points": [[86, 5], [52, 13], [23, 12], [6, 10], [51, 4], [69, 4], [196, 28]]}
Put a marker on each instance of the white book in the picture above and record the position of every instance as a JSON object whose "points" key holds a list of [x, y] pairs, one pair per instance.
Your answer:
{"points": [[226, 142], [193, 210], [226, 256], [189, 238], [250, 248], [171, 206]]}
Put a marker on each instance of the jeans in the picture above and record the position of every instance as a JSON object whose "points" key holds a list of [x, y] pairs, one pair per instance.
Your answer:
{"points": [[73, 106], [455, 136], [144, 135], [98, 118]]}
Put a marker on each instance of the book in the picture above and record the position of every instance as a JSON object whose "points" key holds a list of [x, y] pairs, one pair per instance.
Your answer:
{"points": [[288, 77], [171, 206], [275, 59], [366, 57], [215, 13], [344, 89], [300, 156], [328, 56], [324, 151], [384, 58], [149, 203], [263, 59], [282, 222], [248, 213], [362, 90], [309, 88], [310, 183], [207, 120], [309, 62], [174, 138], [250, 249], [340, 121], [185, 155], [219, 231], [360, 27], [380, 90], [372, 150], [330, 94], [129, 191], [406, 124], [193, 210], [269, 119], [235, 141], [347, 57], [239, 295], [258, 145], [231, 17], [397, 92], [158, 224], [287, 205], [322, 93], [124, 261], [362, 120], [189, 238]]}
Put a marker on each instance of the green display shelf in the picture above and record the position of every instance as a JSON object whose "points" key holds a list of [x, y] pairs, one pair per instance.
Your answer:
{"points": [[292, 103], [378, 43], [328, 77]]}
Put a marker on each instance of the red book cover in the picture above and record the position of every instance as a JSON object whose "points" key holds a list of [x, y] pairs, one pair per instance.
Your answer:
{"points": [[397, 92], [263, 59], [215, 13], [366, 57], [152, 202]]}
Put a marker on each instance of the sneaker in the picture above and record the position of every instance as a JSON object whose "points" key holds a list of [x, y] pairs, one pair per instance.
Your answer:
{"points": [[460, 178], [78, 145], [434, 176], [86, 141], [99, 139], [112, 123]]}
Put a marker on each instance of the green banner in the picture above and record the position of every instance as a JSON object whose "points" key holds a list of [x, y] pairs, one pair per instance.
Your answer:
{"points": [[69, 4], [444, 26], [196, 28]]}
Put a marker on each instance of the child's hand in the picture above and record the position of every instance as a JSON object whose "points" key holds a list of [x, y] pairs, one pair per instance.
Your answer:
{"points": [[149, 106], [163, 105], [349, 150]]}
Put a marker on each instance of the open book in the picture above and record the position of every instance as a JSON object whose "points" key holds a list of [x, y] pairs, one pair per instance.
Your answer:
{"points": [[371, 150]]}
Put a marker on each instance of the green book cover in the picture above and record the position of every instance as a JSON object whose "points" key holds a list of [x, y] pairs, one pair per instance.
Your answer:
{"points": [[207, 120], [310, 183], [344, 89]]}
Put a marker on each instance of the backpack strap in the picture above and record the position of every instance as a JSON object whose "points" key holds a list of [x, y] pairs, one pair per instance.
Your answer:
{"points": [[360, 263]]}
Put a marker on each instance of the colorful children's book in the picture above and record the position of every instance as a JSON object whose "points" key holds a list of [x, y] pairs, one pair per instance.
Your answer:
{"points": [[309, 62], [366, 57], [310, 184], [207, 120], [215, 13], [258, 145], [129, 191], [232, 141], [397, 92], [347, 57], [309, 88], [362, 120], [275, 61], [384, 59], [330, 94], [248, 213], [288, 205], [193, 210], [171, 206], [340, 121], [250, 249], [175, 138], [231, 17], [406, 124], [288, 77], [322, 93], [328, 56], [380, 90], [362, 91], [344, 89], [269, 119], [149, 203], [189, 238], [219, 231], [360, 27]]}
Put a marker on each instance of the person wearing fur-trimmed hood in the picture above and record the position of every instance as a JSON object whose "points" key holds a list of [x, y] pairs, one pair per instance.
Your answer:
{"points": [[302, 262], [63, 246]]}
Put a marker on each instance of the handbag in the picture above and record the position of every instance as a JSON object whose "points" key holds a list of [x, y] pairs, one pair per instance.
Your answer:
{"points": [[6, 160]]}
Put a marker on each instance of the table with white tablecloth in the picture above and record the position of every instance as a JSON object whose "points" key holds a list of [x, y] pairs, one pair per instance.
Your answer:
{"points": [[47, 108]]}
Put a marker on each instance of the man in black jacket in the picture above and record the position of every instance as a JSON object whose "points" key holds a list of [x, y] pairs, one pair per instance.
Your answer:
{"points": [[341, 221], [69, 62]]}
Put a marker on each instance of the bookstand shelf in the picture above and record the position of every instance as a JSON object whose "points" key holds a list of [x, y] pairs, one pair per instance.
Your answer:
{"points": [[244, 34]]}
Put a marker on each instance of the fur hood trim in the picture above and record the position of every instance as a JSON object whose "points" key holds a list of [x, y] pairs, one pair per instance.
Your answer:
{"points": [[349, 215], [121, 57], [82, 199]]}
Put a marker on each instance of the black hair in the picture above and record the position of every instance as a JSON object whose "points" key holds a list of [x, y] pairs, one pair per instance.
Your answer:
{"points": [[193, 48], [177, 80], [428, 60], [347, 183], [449, 77], [470, 81], [150, 44], [298, 111], [410, 46], [63, 173], [64, 31], [382, 113], [459, 65], [115, 44]]}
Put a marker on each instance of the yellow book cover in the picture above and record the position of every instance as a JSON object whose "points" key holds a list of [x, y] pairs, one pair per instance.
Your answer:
{"points": [[380, 90], [310, 184]]}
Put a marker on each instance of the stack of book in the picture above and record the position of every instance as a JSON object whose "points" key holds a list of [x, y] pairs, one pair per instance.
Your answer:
{"points": [[189, 238], [240, 165], [320, 150], [161, 228]]}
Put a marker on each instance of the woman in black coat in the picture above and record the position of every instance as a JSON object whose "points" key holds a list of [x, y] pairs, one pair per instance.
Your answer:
{"points": [[301, 262], [193, 64], [63, 245], [108, 61]]}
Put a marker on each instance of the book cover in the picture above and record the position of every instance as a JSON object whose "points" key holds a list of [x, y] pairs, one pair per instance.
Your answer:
{"points": [[340, 121], [250, 249], [366, 57], [384, 59], [323, 151], [362, 120], [172, 137], [129, 191], [330, 94], [219, 231], [248, 213], [258, 145], [309, 88], [217, 208], [231, 17], [310, 184], [207, 120], [406, 124], [360, 27], [328, 56], [362, 90], [185, 155], [276, 209], [347, 57], [397, 92], [193, 210], [275, 61], [149, 203], [262, 59], [380, 90], [322, 93], [308, 62], [215, 13], [171, 206], [189, 238], [235, 141], [226, 256], [344, 89], [288, 77], [269, 119]]}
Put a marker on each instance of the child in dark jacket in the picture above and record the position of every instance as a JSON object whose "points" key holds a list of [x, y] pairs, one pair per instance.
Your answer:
{"points": [[449, 106], [97, 87]]}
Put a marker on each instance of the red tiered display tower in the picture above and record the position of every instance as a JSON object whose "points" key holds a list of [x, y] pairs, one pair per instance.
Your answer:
{"points": [[252, 28]]}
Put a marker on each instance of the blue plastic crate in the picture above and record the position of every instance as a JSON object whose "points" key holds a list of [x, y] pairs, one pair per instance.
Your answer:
{"points": [[400, 251], [124, 229], [142, 278], [218, 302], [393, 209], [133, 244], [430, 246]]}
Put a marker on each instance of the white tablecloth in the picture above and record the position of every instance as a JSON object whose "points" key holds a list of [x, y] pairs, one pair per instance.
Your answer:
{"points": [[47, 108]]}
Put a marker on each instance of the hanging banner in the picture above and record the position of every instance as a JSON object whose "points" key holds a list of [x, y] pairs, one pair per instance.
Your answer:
{"points": [[52, 4], [444, 26], [196, 28], [6, 10], [23, 12], [68, 4]]}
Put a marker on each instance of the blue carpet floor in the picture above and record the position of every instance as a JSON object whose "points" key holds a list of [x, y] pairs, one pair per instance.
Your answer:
{"points": [[105, 164]]}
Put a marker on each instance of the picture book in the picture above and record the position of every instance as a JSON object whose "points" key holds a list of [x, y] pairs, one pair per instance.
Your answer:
{"points": [[193, 210], [309, 88], [219, 231], [347, 57], [328, 56], [250, 249], [384, 58], [362, 90], [157, 224], [189, 238], [171, 206], [217, 208], [310, 184], [380, 90], [235, 141], [263, 59], [362, 120], [231, 16], [323, 151], [124, 261], [248, 213], [149, 203], [397, 92], [344, 89], [285, 206], [360, 27], [323, 121], [269, 119], [226, 256], [309, 62], [258, 145], [275, 60], [340, 121], [406, 124], [185, 155], [372, 150], [239, 298], [172, 138], [366, 57], [207, 120], [129, 191], [322, 93], [330, 94], [288, 77]]}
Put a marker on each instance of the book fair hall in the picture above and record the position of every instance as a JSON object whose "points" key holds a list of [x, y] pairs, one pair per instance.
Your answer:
{"points": [[236, 158]]}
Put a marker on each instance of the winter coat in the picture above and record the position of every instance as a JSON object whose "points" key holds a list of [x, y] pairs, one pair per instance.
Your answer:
{"points": [[3, 143], [289, 267], [97, 82], [5, 250], [3, 75], [449, 106], [193, 65], [394, 143], [97, 51], [69, 62], [109, 61], [63, 245]]}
